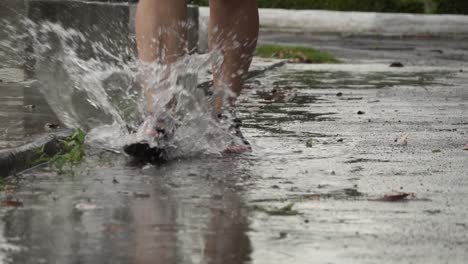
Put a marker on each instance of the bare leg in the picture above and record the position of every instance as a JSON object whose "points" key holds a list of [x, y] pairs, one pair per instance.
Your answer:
{"points": [[161, 35], [233, 30]]}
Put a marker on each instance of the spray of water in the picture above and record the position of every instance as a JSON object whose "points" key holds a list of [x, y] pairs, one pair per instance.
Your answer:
{"points": [[101, 92]]}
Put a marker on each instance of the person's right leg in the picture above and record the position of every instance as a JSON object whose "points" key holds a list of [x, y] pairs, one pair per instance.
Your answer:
{"points": [[233, 30], [161, 33]]}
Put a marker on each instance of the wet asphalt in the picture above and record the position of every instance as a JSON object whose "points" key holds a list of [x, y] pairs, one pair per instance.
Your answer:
{"points": [[330, 140]]}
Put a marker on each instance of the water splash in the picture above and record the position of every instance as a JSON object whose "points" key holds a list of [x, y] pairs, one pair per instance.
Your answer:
{"points": [[100, 91]]}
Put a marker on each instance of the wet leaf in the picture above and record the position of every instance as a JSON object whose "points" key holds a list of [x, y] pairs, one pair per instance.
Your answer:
{"points": [[403, 140], [397, 64], [30, 107], [85, 206], [51, 126], [310, 143], [395, 197], [436, 151], [312, 197], [352, 192], [111, 227], [141, 195], [282, 211], [12, 203]]}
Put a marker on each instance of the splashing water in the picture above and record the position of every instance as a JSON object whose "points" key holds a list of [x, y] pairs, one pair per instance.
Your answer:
{"points": [[100, 92]]}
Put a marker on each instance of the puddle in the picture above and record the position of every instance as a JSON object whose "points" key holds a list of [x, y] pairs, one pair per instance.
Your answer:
{"points": [[306, 140]]}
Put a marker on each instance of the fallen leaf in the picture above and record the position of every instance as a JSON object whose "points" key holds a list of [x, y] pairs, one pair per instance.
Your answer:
{"points": [[395, 197], [396, 64], [51, 126], [312, 197], [310, 143], [111, 227], [403, 141], [436, 151], [12, 203], [85, 207], [30, 107], [141, 195], [283, 211]]}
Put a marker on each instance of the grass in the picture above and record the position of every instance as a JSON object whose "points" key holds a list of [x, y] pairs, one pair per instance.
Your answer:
{"points": [[3, 184], [295, 54], [71, 154]]}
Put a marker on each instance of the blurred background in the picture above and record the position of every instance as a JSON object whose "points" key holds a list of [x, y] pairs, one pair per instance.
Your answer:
{"points": [[387, 6]]}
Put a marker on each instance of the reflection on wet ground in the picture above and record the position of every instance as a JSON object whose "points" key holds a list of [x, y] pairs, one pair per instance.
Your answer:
{"points": [[311, 149], [110, 212]]}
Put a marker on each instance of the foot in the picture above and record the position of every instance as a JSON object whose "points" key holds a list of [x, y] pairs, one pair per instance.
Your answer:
{"points": [[159, 129], [155, 136], [239, 144]]}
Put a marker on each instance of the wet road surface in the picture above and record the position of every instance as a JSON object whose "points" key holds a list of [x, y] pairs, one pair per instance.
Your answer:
{"points": [[23, 114], [330, 139]]}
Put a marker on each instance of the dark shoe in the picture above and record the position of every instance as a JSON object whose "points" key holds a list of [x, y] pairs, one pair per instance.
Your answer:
{"points": [[154, 138], [159, 129], [239, 143]]}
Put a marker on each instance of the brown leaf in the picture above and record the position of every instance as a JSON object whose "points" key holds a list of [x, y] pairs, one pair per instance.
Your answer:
{"points": [[12, 203], [312, 197], [280, 55], [111, 227], [395, 197]]}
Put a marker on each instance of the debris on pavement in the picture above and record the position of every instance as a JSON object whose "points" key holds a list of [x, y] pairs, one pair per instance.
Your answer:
{"points": [[465, 147], [141, 195], [51, 126], [30, 107], [399, 197], [282, 211], [360, 112], [397, 64], [85, 206], [109, 227], [11, 203], [310, 143], [403, 140]]}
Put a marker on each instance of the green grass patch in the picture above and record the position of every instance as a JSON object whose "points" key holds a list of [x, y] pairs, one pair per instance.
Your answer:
{"points": [[295, 54], [3, 183], [71, 154]]}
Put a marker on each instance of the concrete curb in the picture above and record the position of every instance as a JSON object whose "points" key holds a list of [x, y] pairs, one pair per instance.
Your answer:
{"points": [[381, 24], [350, 23], [15, 160]]}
